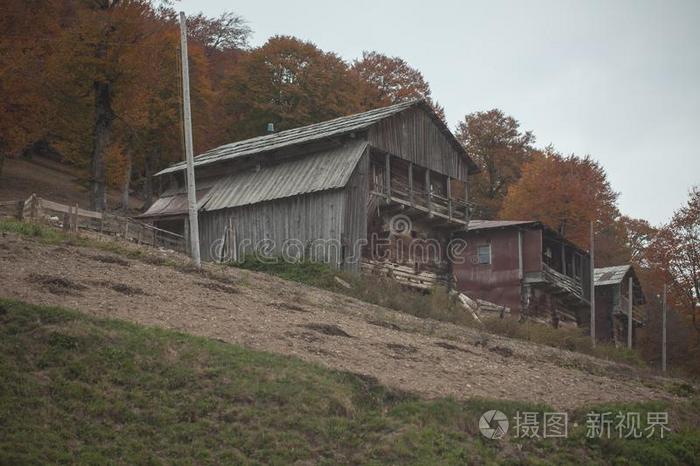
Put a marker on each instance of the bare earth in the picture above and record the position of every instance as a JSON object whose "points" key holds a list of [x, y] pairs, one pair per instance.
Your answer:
{"points": [[259, 311]]}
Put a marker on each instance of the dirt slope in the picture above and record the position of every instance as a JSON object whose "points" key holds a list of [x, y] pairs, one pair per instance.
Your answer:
{"points": [[262, 312]]}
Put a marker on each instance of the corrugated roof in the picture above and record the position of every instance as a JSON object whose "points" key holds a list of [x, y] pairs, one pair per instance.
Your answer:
{"points": [[486, 224], [321, 171], [610, 275], [173, 204], [304, 134]]}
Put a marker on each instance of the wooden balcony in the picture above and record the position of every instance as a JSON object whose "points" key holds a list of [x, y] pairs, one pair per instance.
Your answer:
{"points": [[418, 191], [418, 202], [621, 309], [568, 288]]}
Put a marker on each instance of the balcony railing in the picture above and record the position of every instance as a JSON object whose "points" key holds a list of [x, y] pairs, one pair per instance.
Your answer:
{"points": [[564, 282], [622, 308], [430, 203]]}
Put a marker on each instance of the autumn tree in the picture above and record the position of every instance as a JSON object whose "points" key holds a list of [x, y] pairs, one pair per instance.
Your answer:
{"points": [[567, 193], [25, 109], [290, 83], [228, 31], [500, 148], [92, 66], [639, 235], [675, 252], [216, 47], [390, 80]]}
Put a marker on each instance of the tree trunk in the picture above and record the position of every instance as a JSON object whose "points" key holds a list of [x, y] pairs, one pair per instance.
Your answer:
{"points": [[147, 182], [104, 116], [125, 188]]}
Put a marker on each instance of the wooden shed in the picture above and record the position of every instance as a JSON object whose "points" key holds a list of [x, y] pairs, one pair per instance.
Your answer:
{"points": [[526, 267], [330, 192], [612, 301]]}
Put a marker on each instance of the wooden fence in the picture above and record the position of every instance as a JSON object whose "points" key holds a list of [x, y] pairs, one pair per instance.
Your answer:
{"points": [[73, 218]]}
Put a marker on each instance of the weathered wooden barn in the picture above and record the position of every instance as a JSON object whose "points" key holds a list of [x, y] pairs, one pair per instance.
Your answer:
{"points": [[612, 303], [361, 191], [527, 268]]}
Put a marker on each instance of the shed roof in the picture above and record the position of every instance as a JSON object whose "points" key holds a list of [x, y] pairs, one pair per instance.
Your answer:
{"points": [[487, 224], [314, 132], [321, 171], [481, 225], [610, 275]]}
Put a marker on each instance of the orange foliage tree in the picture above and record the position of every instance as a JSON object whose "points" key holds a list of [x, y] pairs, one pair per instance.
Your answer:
{"points": [[500, 148], [25, 110], [675, 253], [567, 193], [290, 83], [390, 80]]}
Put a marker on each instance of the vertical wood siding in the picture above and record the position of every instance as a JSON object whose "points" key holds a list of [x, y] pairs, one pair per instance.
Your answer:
{"points": [[414, 136], [298, 220], [355, 221]]}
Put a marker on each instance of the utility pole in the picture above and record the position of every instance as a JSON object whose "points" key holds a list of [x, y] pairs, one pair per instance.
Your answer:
{"points": [[592, 288], [630, 299], [663, 335], [187, 123]]}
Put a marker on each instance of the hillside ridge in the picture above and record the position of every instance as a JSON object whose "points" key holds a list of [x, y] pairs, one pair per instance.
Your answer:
{"points": [[423, 356]]}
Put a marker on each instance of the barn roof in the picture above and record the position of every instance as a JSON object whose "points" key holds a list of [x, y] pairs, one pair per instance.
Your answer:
{"points": [[610, 275], [315, 132], [320, 171]]}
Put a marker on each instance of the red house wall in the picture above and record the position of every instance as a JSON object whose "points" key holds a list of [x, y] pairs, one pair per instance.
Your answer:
{"points": [[499, 281]]}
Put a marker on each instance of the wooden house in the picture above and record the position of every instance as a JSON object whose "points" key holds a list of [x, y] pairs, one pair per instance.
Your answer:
{"points": [[332, 192], [612, 303], [527, 268]]}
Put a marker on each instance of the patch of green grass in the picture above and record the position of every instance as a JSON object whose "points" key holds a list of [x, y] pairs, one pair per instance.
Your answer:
{"points": [[34, 230], [81, 390], [311, 273]]}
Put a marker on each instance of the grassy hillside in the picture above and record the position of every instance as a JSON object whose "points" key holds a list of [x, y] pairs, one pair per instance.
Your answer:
{"points": [[52, 180], [82, 390]]}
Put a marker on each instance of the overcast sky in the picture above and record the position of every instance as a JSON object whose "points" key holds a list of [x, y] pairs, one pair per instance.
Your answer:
{"points": [[619, 80]]}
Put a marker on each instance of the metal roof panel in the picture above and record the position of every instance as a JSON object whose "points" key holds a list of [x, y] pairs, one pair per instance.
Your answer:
{"points": [[314, 132], [329, 169]]}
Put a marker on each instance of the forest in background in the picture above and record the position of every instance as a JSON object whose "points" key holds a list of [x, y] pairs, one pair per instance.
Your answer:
{"points": [[96, 84]]}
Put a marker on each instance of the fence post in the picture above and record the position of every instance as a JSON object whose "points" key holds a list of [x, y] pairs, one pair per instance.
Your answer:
{"points": [[66, 222], [33, 208], [20, 210], [75, 219]]}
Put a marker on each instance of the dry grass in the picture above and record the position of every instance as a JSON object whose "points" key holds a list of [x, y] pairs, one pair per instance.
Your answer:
{"points": [[572, 339]]}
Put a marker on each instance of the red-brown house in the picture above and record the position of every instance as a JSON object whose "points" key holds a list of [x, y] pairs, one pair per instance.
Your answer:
{"points": [[526, 267]]}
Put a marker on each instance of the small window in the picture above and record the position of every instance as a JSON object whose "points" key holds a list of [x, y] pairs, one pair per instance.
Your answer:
{"points": [[484, 253]]}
